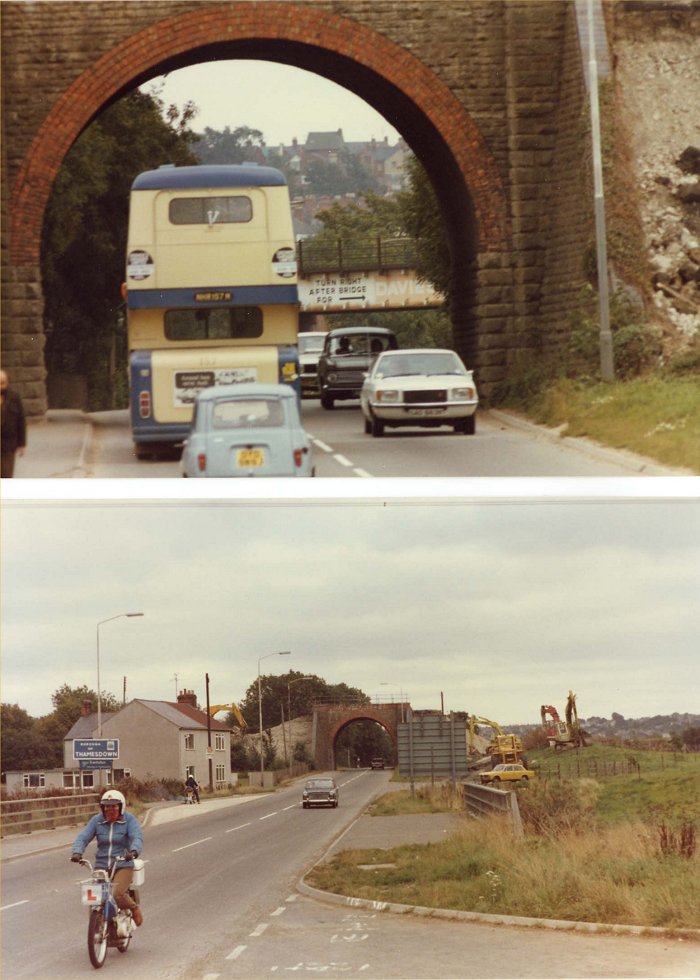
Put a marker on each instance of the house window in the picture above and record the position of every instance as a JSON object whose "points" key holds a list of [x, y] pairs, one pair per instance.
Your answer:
{"points": [[189, 771], [220, 744], [189, 741], [220, 774], [31, 780], [120, 774], [88, 779], [71, 780]]}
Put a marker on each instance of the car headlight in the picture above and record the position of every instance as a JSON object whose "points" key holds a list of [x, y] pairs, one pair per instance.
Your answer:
{"points": [[462, 393], [387, 396], [332, 376]]}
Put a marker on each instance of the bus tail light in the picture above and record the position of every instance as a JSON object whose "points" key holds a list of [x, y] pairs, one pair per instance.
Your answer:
{"points": [[145, 404], [202, 462]]}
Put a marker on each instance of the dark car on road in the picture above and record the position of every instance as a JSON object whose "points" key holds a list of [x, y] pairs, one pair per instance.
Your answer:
{"points": [[320, 791], [377, 763], [347, 355]]}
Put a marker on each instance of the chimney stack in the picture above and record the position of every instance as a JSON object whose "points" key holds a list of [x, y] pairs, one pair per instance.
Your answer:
{"points": [[187, 697], [85, 709]]}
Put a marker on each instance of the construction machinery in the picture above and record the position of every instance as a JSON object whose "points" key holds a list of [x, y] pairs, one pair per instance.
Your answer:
{"points": [[232, 709], [502, 747], [563, 734]]}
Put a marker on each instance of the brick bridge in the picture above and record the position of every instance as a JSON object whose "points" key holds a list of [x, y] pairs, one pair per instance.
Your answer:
{"points": [[489, 95], [330, 720]]}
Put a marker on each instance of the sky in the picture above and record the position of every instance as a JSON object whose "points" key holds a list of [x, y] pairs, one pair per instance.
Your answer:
{"points": [[283, 102], [494, 607]]}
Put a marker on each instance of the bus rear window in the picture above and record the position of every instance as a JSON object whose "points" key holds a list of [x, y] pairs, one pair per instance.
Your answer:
{"points": [[231, 323], [211, 210]]}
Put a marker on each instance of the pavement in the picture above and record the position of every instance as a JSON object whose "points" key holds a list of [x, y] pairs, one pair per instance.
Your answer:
{"points": [[58, 446]]}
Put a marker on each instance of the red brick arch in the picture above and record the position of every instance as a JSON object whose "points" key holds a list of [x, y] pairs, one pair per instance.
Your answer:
{"points": [[315, 32], [363, 715]]}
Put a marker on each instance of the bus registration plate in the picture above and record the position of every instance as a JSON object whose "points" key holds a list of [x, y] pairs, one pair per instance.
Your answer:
{"points": [[250, 457]]}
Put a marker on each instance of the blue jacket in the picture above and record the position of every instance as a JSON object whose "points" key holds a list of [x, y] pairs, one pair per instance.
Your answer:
{"points": [[112, 839]]}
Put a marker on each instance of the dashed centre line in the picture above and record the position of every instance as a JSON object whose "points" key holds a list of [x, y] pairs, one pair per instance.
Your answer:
{"points": [[193, 844], [259, 930], [239, 827]]}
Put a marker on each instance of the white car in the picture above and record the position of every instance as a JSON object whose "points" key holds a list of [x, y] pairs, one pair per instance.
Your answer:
{"points": [[420, 387], [247, 430], [310, 349]]}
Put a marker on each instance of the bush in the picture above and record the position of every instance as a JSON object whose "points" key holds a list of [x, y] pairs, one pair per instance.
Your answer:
{"points": [[553, 807]]}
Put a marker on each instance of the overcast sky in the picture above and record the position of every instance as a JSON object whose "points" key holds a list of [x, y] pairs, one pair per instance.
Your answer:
{"points": [[283, 102], [499, 607]]}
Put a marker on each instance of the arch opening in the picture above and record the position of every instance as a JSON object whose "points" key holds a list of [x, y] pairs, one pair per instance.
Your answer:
{"points": [[391, 79]]}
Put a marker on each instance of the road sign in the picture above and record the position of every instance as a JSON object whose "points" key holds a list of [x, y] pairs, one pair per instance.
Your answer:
{"points": [[95, 763], [97, 749]]}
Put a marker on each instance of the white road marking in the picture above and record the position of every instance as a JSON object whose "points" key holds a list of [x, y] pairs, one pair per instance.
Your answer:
{"points": [[193, 844], [239, 827], [279, 910], [291, 898], [235, 953], [322, 446], [343, 460], [14, 905], [259, 930], [211, 976], [267, 815], [292, 807], [360, 472]]}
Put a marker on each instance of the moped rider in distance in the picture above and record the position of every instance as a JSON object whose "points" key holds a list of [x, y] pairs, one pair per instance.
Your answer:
{"points": [[118, 833]]}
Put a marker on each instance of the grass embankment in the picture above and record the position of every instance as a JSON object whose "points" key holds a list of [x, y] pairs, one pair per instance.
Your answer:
{"points": [[657, 417], [620, 850]]}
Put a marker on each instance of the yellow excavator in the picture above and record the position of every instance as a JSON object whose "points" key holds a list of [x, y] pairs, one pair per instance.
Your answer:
{"points": [[502, 748], [232, 709], [563, 734]]}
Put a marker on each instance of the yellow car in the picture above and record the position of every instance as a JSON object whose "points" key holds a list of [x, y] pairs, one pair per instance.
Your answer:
{"points": [[506, 773]]}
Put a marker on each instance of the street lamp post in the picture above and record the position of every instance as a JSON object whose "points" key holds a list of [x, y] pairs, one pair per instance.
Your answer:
{"points": [[99, 692], [295, 680], [277, 653]]}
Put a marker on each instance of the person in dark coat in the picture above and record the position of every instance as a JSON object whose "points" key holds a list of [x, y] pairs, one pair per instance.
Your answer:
{"points": [[13, 435]]}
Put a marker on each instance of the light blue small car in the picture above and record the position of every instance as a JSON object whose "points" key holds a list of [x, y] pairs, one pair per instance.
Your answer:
{"points": [[247, 429]]}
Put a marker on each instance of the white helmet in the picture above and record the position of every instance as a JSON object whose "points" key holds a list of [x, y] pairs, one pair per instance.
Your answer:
{"points": [[113, 796]]}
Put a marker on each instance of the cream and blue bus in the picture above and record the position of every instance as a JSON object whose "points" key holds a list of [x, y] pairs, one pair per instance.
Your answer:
{"points": [[211, 291]]}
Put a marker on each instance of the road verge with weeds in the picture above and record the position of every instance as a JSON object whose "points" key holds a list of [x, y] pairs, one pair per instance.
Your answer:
{"points": [[568, 866]]}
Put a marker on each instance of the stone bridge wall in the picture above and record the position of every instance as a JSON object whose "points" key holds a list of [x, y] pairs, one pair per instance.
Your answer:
{"points": [[329, 721], [489, 94]]}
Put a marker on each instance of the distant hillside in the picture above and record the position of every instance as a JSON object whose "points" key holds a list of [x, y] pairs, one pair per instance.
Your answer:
{"points": [[656, 726]]}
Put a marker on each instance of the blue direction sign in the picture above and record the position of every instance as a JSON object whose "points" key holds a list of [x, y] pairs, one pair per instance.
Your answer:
{"points": [[96, 749]]}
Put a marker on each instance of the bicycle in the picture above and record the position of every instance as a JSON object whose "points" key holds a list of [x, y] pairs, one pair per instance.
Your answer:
{"points": [[109, 927]]}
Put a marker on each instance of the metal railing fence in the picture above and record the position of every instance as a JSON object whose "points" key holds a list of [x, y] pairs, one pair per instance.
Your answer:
{"points": [[24, 815]]}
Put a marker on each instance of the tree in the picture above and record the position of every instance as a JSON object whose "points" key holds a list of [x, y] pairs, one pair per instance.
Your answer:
{"points": [[84, 236], [422, 220], [229, 146], [20, 745]]}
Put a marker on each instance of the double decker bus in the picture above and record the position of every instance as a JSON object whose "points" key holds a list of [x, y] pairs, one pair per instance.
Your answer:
{"points": [[211, 291]]}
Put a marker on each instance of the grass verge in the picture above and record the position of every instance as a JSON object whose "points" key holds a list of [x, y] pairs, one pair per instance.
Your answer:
{"points": [[657, 417], [571, 864]]}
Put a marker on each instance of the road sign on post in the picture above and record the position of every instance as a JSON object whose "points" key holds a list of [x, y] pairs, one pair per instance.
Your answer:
{"points": [[96, 750]]}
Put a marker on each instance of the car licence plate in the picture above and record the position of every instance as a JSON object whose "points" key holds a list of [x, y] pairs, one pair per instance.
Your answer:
{"points": [[246, 458], [425, 411]]}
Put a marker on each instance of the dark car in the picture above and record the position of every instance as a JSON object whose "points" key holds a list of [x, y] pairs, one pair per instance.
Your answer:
{"points": [[319, 791], [347, 355], [377, 763]]}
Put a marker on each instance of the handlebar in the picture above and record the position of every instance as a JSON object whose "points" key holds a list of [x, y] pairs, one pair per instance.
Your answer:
{"points": [[126, 856]]}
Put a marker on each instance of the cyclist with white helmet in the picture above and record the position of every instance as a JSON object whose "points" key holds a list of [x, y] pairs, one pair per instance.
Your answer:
{"points": [[118, 833]]}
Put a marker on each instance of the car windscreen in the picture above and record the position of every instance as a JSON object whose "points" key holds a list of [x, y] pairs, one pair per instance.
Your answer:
{"points": [[361, 344], [244, 413], [320, 784], [407, 364], [310, 345]]}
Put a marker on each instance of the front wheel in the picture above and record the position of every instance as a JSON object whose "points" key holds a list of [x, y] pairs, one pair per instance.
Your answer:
{"points": [[97, 938]]}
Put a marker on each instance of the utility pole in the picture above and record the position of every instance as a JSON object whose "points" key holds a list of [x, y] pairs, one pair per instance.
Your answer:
{"points": [[209, 758]]}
